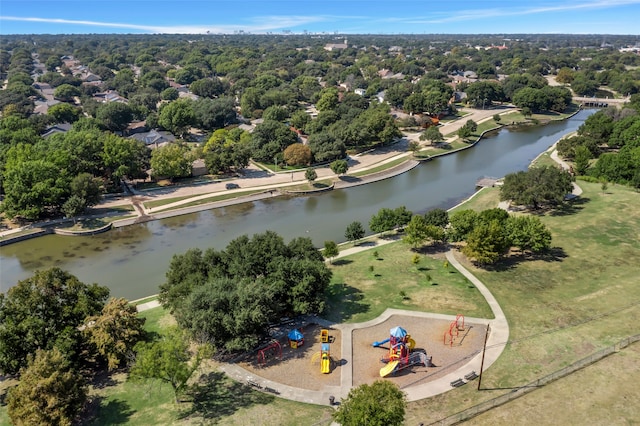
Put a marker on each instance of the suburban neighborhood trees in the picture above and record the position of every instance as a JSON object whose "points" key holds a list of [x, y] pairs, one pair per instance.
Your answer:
{"points": [[432, 134], [380, 403], [33, 188], [64, 113], [528, 234], [383, 221], [115, 116], [115, 331], [66, 92], [74, 207], [177, 116], [171, 161], [339, 167], [387, 219], [297, 154], [269, 139], [310, 175], [486, 243], [330, 250]]}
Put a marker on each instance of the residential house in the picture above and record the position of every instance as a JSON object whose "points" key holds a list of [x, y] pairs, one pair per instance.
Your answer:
{"points": [[110, 96], [90, 78], [42, 107], [58, 128], [154, 138]]}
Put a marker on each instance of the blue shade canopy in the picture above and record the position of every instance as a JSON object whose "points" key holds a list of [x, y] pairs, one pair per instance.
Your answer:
{"points": [[295, 335], [398, 332]]}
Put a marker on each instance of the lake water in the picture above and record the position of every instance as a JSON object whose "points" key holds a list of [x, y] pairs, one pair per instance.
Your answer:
{"points": [[132, 261]]}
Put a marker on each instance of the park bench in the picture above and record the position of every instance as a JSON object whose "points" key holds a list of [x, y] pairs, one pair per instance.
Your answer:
{"points": [[254, 384], [471, 376], [457, 383]]}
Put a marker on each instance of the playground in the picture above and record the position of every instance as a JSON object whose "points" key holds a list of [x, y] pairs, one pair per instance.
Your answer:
{"points": [[428, 336], [301, 367]]}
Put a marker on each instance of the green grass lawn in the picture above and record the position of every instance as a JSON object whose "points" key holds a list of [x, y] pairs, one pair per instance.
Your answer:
{"points": [[486, 198], [563, 307], [316, 185], [358, 293], [164, 201], [544, 160], [212, 199], [380, 168]]}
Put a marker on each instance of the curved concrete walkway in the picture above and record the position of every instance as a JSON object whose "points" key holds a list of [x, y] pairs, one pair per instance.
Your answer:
{"points": [[496, 342]]}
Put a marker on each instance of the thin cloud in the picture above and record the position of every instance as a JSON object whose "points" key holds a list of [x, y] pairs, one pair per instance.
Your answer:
{"points": [[257, 24], [479, 14]]}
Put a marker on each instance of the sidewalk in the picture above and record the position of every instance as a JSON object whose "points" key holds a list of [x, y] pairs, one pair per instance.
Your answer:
{"points": [[255, 178]]}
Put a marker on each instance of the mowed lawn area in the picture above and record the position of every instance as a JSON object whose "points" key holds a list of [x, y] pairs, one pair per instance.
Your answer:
{"points": [[562, 308], [366, 283]]}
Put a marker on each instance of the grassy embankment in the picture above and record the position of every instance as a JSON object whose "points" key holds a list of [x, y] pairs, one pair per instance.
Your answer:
{"points": [[212, 199], [582, 298]]}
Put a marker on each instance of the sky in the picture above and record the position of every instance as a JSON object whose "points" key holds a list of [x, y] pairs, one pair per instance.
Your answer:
{"points": [[320, 16]]}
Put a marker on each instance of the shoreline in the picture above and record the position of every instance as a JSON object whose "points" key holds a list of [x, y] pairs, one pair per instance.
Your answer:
{"points": [[270, 191]]}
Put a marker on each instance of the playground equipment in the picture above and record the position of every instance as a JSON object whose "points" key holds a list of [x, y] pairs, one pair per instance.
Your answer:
{"points": [[325, 359], [271, 350], [324, 335], [296, 339], [400, 356], [454, 330]]}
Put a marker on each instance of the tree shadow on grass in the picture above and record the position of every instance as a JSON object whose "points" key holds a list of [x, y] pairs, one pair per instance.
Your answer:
{"points": [[215, 396], [432, 249], [114, 412], [343, 302], [554, 254], [349, 179], [570, 207], [341, 262]]}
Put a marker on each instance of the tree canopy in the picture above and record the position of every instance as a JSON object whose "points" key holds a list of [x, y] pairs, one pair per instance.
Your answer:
{"points": [[50, 391], [537, 186], [167, 359], [378, 404], [229, 297], [43, 312], [115, 331]]}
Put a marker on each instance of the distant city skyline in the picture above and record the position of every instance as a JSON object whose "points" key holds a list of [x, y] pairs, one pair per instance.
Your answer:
{"points": [[326, 16]]}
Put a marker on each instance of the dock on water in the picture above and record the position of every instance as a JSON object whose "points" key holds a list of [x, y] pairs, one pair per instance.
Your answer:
{"points": [[486, 182]]}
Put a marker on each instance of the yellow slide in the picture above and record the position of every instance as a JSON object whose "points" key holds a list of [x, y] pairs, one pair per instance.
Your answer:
{"points": [[325, 366], [388, 369]]}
